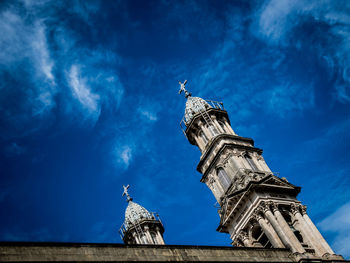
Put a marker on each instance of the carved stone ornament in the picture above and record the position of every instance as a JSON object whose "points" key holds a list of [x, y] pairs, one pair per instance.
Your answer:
{"points": [[243, 235], [257, 214], [303, 209], [265, 206], [235, 153], [294, 208], [274, 206]]}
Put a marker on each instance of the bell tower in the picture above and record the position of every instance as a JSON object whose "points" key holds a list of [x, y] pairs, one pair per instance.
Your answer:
{"points": [[257, 208], [140, 226]]}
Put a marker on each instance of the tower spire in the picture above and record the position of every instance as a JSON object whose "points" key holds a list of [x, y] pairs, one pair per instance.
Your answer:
{"points": [[183, 89], [128, 197]]}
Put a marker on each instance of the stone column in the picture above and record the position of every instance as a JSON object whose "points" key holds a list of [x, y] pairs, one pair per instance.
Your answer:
{"points": [[286, 228], [268, 214], [229, 128], [135, 236], [269, 232], [148, 235], [245, 239], [315, 231], [205, 130], [308, 235], [199, 142], [159, 236], [218, 125]]}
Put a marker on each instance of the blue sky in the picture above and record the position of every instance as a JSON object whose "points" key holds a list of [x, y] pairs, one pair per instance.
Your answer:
{"points": [[88, 102]]}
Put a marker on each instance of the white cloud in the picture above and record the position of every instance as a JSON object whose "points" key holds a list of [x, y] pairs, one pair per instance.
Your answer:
{"points": [[339, 223], [23, 42], [148, 109], [151, 116], [124, 155], [82, 92], [42, 55], [276, 20]]}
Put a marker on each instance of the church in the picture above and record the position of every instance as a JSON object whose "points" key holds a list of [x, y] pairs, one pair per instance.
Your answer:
{"points": [[259, 210]]}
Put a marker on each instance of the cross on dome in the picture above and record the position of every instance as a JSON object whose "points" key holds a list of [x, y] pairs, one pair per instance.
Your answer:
{"points": [[183, 89], [128, 197]]}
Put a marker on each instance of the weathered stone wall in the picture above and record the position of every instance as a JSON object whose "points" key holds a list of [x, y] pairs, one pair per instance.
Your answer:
{"points": [[22, 251]]}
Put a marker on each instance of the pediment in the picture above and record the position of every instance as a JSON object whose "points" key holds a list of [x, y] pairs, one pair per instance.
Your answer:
{"points": [[276, 181]]}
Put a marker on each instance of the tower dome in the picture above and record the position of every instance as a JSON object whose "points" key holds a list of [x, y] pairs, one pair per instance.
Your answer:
{"points": [[194, 105], [140, 226], [134, 213]]}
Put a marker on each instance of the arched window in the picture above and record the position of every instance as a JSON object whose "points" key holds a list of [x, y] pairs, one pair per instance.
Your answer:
{"points": [[223, 178], [250, 162]]}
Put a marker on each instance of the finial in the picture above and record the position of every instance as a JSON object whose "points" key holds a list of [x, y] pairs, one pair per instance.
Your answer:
{"points": [[128, 197], [183, 89]]}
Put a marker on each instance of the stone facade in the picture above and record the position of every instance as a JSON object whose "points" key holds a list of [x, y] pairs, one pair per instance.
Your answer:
{"points": [[257, 208]]}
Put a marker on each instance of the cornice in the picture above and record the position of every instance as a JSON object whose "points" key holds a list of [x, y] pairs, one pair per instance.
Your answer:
{"points": [[223, 147]]}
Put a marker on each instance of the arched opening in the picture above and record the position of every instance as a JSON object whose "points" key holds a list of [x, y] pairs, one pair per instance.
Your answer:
{"points": [[259, 237], [223, 178], [204, 138]]}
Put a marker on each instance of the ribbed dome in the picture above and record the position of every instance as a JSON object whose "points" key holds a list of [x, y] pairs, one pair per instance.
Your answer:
{"points": [[135, 213], [194, 105]]}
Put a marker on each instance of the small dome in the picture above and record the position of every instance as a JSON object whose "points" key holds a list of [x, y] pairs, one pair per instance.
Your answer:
{"points": [[135, 213], [194, 105]]}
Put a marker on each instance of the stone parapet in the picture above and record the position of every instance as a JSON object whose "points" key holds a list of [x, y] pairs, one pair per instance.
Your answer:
{"points": [[79, 252]]}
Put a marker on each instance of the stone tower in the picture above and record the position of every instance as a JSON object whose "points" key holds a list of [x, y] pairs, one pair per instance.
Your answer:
{"points": [[140, 226], [257, 208]]}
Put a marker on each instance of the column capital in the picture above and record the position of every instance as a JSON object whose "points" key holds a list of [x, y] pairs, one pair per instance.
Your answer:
{"points": [[243, 235], [257, 214], [295, 208], [303, 209], [264, 206], [274, 206]]}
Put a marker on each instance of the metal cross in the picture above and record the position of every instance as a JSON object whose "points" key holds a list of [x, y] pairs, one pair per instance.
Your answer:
{"points": [[183, 89], [128, 198]]}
